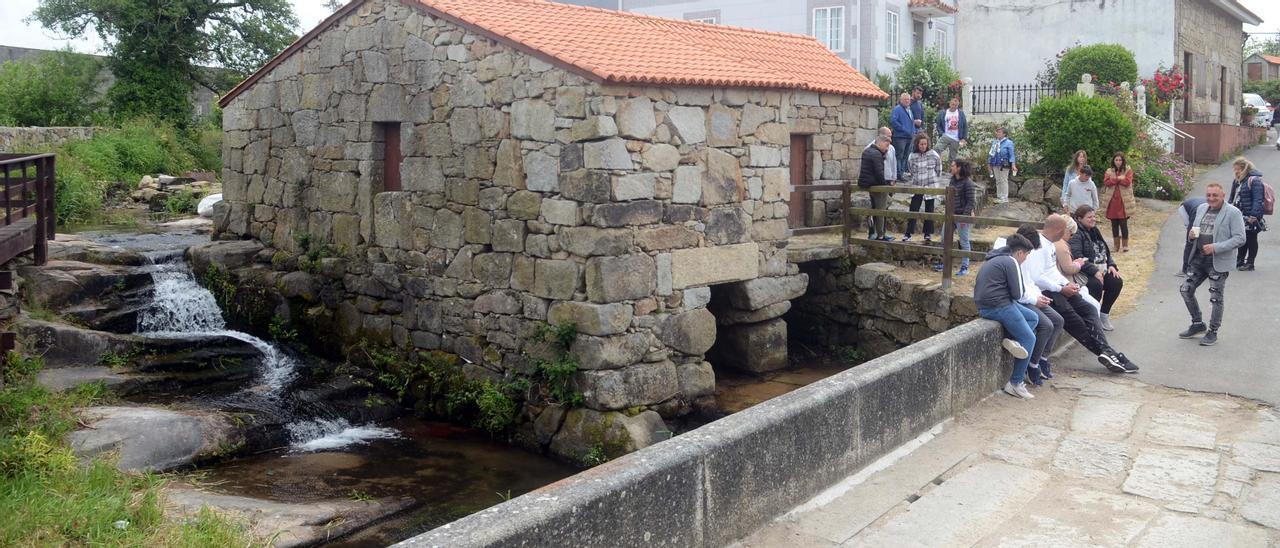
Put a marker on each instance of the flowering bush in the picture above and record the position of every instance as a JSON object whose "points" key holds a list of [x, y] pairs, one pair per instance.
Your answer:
{"points": [[1165, 177], [1163, 88]]}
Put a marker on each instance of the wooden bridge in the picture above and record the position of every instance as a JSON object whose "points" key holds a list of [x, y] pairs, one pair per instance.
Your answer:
{"points": [[29, 217], [947, 220]]}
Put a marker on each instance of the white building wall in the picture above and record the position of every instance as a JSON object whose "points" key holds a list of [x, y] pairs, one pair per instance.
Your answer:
{"points": [[1008, 41]]}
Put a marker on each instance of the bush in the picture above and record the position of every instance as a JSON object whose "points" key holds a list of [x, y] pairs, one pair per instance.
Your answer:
{"points": [[929, 70], [55, 89], [1030, 160], [1268, 89], [1106, 62], [1058, 127]]}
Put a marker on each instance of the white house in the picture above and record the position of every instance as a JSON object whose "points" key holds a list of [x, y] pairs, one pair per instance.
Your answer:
{"points": [[871, 35]]}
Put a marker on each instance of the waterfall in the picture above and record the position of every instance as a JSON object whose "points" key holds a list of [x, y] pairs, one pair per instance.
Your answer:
{"points": [[181, 308]]}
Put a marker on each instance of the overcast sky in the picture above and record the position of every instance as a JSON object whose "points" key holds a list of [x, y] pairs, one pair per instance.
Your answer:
{"points": [[14, 31]]}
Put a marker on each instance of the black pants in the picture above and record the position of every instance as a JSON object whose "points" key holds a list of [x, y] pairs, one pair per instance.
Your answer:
{"points": [[1120, 228], [916, 201], [1080, 320], [1249, 251], [1188, 248], [1106, 291]]}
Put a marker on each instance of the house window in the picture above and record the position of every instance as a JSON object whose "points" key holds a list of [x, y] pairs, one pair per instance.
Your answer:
{"points": [[828, 27], [940, 40], [891, 29], [391, 156], [711, 20]]}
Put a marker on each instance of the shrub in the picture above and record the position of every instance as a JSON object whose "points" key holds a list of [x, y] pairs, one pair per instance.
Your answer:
{"points": [[1165, 177], [55, 89], [183, 202], [1030, 160], [1106, 62], [929, 70], [1058, 127], [1268, 89]]}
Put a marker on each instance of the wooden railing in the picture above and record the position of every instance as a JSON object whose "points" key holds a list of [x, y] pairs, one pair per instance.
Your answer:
{"points": [[948, 218], [28, 202]]}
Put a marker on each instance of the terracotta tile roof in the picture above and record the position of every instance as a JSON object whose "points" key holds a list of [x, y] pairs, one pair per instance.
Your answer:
{"points": [[629, 48], [1270, 58], [938, 4]]}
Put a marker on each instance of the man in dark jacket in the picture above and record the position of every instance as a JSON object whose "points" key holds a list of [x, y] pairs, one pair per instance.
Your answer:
{"points": [[1187, 212], [1248, 194], [871, 174], [996, 292]]}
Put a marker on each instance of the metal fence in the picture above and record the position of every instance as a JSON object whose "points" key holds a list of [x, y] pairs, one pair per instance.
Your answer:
{"points": [[1011, 98]]}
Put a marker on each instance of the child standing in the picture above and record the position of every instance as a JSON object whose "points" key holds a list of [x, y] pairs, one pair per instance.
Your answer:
{"points": [[1081, 191]]}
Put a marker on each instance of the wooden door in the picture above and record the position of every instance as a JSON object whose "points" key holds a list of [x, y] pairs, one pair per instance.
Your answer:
{"points": [[799, 176]]}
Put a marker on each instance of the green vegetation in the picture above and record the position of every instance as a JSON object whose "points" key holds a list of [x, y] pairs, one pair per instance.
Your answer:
{"points": [[280, 331], [595, 456], [181, 203], [557, 370], [1108, 63], [931, 72], [54, 89], [155, 52], [312, 252], [48, 499], [1057, 127], [117, 360]]}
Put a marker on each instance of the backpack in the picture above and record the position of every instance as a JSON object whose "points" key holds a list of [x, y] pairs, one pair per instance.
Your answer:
{"points": [[1268, 196]]}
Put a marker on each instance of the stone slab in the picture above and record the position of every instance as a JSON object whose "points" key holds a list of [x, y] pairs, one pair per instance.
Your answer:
{"points": [[961, 510], [1073, 516], [714, 265], [1262, 505], [1174, 475], [1103, 419], [1090, 458], [1032, 446], [1259, 456], [1175, 531], [1182, 430]]}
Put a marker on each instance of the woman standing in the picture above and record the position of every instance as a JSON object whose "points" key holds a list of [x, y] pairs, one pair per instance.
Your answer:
{"points": [[963, 190], [1117, 197], [1078, 160], [925, 171], [1248, 194], [1104, 281]]}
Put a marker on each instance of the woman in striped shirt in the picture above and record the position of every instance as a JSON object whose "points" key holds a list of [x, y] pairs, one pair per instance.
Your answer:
{"points": [[924, 170]]}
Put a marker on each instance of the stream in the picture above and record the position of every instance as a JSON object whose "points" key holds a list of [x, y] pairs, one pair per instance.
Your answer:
{"points": [[448, 471]]}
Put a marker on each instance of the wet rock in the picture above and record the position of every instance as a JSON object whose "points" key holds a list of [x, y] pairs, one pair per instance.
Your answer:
{"points": [[228, 255], [287, 524], [61, 283], [615, 433], [71, 248], [154, 439]]}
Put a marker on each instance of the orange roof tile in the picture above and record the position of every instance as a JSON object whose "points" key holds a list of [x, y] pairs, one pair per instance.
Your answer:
{"points": [[1271, 58], [629, 48], [938, 4]]}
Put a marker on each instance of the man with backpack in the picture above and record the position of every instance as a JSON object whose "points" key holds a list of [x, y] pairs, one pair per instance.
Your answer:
{"points": [[1255, 199]]}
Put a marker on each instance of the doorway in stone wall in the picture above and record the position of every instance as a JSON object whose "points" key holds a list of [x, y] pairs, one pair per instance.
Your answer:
{"points": [[799, 176]]}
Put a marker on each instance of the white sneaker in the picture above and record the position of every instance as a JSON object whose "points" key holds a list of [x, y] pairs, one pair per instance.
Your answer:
{"points": [[1015, 348], [1105, 320], [1018, 390]]}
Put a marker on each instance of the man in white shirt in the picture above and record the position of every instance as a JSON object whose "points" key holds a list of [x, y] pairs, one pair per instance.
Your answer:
{"points": [[1080, 318]]}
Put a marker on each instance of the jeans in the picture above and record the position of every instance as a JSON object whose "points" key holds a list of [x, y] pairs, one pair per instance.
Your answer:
{"points": [[1249, 251], [952, 147], [1002, 182], [1047, 332], [916, 201], [1106, 291], [1080, 320], [1020, 322], [1200, 271], [903, 148], [1187, 249], [962, 232], [875, 225]]}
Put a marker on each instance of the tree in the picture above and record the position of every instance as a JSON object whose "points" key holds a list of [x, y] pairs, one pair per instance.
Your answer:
{"points": [[1256, 44], [1108, 63], [1060, 126], [55, 89], [333, 5], [157, 46]]}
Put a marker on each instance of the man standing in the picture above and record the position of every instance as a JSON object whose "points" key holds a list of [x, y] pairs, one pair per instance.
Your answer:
{"points": [[952, 128], [872, 174], [890, 159], [1187, 212], [1218, 229], [904, 128], [1080, 318], [917, 108], [1002, 160]]}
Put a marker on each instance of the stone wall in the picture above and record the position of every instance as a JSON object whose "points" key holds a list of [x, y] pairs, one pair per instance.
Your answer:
{"points": [[1215, 41], [873, 308], [35, 139], [529, 195]]}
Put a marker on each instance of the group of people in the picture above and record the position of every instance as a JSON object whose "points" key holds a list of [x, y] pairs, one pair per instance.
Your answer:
{"points": [[1117, 197], [1039, 283]]}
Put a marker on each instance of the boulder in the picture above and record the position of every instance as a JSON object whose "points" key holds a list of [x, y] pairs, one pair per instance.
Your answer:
{"points": [[1016, 210], [591, 318], [1033, 189], [632, 386], [61, 283], [150, 439], [228, 255], [286, 524], [733, 316], [609, 352], [615, 433]]}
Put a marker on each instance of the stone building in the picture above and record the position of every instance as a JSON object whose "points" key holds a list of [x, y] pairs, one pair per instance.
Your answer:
{"points": [[485, 167]]}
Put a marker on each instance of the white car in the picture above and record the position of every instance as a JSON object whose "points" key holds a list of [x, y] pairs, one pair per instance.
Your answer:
{"points": [[1263, 117]]}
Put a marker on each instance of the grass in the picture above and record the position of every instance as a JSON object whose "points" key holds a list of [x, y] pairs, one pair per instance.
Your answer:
{"points": [[47, 498]]}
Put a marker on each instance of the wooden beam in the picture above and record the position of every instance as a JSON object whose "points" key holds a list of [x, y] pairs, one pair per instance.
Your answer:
{"points": [[919, 249]]}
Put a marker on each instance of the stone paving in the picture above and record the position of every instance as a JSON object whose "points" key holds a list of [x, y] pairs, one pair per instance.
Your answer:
{"points": [[1094, 460]]}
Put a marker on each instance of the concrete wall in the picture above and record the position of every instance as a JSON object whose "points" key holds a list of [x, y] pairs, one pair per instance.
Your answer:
{"points": [[720, 482], [35, 139], [865, 20], [1030, 35]]}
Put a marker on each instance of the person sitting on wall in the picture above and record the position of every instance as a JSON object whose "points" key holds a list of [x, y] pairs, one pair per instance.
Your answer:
{"points": [[1050, 323], [997, 290]]}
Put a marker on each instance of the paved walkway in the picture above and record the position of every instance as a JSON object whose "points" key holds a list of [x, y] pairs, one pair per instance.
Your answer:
{"points": [[1246, 361], [1094, 460]]}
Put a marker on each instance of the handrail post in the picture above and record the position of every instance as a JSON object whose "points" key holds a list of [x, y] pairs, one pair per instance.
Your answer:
{"points": [[51, 197], [41, 240], [846, 202], [948, 238]]}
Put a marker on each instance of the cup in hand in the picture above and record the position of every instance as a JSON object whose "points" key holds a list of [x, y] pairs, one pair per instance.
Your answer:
{"points": [[1195, 232]]}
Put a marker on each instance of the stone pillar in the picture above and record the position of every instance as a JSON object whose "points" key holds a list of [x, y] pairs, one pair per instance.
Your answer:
{"points": [[1140, 98], [966, 94], [1086, 87], [751, 326]]}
